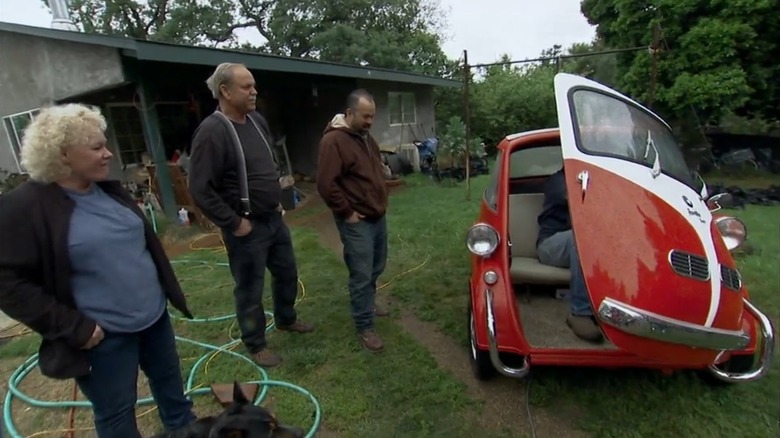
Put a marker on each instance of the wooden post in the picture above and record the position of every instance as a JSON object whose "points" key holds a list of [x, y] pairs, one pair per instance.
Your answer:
{"points": [[151, 127], [466, 79]]}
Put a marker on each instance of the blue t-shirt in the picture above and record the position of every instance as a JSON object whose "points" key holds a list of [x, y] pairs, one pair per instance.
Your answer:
{"points": [[114, 278]]}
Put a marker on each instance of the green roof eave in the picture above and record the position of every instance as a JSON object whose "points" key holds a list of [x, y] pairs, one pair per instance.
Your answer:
{"points": [[70, 36], [154, 51], [166, 52]]}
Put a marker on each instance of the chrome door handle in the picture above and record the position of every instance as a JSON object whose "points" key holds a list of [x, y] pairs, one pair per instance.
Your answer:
{"points": [[583, 178]]}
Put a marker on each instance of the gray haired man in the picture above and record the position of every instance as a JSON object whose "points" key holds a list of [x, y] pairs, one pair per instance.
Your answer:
{"points": [[234, 180]]}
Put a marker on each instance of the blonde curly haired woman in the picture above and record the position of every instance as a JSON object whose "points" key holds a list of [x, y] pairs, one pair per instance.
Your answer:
{"points": [[81, 266]]}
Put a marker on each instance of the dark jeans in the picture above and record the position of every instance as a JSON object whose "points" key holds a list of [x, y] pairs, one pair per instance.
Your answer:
{"points": [[268, 245], [559, 250], [365, 254], [111, 385]]}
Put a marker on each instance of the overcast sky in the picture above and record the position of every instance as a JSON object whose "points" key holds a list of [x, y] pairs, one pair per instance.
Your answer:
{"points": [[486, 28]]}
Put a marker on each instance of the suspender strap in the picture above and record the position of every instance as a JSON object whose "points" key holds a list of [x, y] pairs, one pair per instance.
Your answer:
{"points": [[251, 118], [243, 184]]}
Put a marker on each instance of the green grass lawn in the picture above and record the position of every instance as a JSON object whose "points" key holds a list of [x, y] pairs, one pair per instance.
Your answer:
{"points": [[428, 222], [402, 392]]}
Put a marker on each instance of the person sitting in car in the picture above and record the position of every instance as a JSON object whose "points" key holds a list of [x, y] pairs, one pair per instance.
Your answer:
{"points": [[555, 247]]}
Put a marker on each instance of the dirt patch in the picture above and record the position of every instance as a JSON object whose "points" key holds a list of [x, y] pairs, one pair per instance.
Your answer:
{"points": [[504, 399]]}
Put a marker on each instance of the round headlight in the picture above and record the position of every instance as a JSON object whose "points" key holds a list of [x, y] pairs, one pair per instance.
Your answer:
{"points": [[482, 240], [733, 230]]}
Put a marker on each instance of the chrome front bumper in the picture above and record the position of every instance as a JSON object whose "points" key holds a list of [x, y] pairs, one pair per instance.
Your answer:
{"points": [[648, 325], [525, 368], [765, 351]]}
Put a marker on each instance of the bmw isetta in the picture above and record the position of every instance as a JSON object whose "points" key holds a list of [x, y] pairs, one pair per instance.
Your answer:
{"points": [[654, 250]]}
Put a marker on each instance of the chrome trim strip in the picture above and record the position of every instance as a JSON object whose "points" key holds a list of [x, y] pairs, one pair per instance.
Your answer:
{"points": [[652, 326], [493, 345], [766, 350]]}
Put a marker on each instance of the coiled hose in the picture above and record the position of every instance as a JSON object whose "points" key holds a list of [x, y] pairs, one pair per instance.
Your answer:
{"points": [[263, 381]]}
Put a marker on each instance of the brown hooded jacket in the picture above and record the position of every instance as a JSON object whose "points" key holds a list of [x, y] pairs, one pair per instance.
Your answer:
{"points": [[350, 174]]}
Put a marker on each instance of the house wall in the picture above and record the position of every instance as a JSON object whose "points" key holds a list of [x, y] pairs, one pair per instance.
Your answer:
{"points": [[383, 132], [38, 71], [302, 117]]}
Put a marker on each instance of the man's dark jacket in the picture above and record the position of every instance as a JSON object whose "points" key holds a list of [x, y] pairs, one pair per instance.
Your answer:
{"points": [[214, 176], [554, 217], [35, 272]]}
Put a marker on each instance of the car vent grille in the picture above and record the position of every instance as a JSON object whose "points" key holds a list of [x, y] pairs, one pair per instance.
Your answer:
{"points": [[730, 278], [689, 265]]}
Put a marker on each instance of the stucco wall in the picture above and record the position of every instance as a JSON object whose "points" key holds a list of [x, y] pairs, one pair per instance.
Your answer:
{"points": [[38, 71], [389, 135]]}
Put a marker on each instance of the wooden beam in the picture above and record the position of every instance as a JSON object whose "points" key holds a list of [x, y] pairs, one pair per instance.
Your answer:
{"points": [[154, 144]]}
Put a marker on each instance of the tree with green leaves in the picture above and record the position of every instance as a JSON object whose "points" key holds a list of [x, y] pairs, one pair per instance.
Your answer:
{"points": [[397, 34], [716, 57]]}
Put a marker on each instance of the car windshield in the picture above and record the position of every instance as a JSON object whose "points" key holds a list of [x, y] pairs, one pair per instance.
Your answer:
{"points": [[607, 125], [535, 161]]}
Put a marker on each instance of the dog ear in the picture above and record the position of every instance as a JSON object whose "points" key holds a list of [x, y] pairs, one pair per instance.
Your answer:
{"points": [[238, 395]]}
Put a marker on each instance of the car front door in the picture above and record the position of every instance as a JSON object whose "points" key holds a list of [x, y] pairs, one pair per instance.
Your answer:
{"points": [[644, 235]]}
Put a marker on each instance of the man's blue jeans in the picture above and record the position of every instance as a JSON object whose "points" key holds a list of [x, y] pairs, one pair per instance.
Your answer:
{"points": [[559, 250], [365, 254], [268, 245], [111, 385]]}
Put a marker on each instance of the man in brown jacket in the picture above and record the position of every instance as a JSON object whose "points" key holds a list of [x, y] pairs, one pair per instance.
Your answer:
{"points": [[350, 178]]}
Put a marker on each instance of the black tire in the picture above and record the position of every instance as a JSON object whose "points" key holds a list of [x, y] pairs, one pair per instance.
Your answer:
{"points": [[479, 360], [736, 364]]}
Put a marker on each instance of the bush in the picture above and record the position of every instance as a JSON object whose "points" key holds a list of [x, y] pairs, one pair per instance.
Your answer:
{"points": [[452, 149]]}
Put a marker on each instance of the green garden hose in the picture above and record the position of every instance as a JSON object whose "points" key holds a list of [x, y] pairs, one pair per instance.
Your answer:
{"points": [[23, 370]]}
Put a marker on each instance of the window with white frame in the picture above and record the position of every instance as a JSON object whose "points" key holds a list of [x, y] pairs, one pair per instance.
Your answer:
{"points": [[402, 108], [15, 125]]}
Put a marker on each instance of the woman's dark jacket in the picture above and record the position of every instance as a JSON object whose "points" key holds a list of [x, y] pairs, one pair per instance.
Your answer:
{"points": [[35, 272]]}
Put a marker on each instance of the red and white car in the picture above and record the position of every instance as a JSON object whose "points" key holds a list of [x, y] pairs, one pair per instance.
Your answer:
{"points": [[656, 257]]}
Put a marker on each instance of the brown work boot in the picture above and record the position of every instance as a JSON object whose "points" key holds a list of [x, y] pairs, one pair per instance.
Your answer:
{"points": [[381, 311], [371, 341], [585, 328], [297, 327], [266, 358]]}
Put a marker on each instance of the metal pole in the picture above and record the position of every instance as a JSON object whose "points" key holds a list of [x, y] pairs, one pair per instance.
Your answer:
{"points": [[466, 71]]}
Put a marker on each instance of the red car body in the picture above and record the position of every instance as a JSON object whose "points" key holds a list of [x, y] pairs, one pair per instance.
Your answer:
{"points": [[663, 284]]}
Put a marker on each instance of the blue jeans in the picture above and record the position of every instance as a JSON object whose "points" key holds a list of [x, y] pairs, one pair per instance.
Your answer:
{"points": [[111, 385], [365, 254], [269, 244], [559, 250]]}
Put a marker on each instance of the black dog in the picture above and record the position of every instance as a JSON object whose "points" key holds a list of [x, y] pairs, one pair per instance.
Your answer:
{"points": [[241, 419]]}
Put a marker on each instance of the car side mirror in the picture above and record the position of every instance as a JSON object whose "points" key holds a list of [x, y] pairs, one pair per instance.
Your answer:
{"points": [[721, 200]]}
